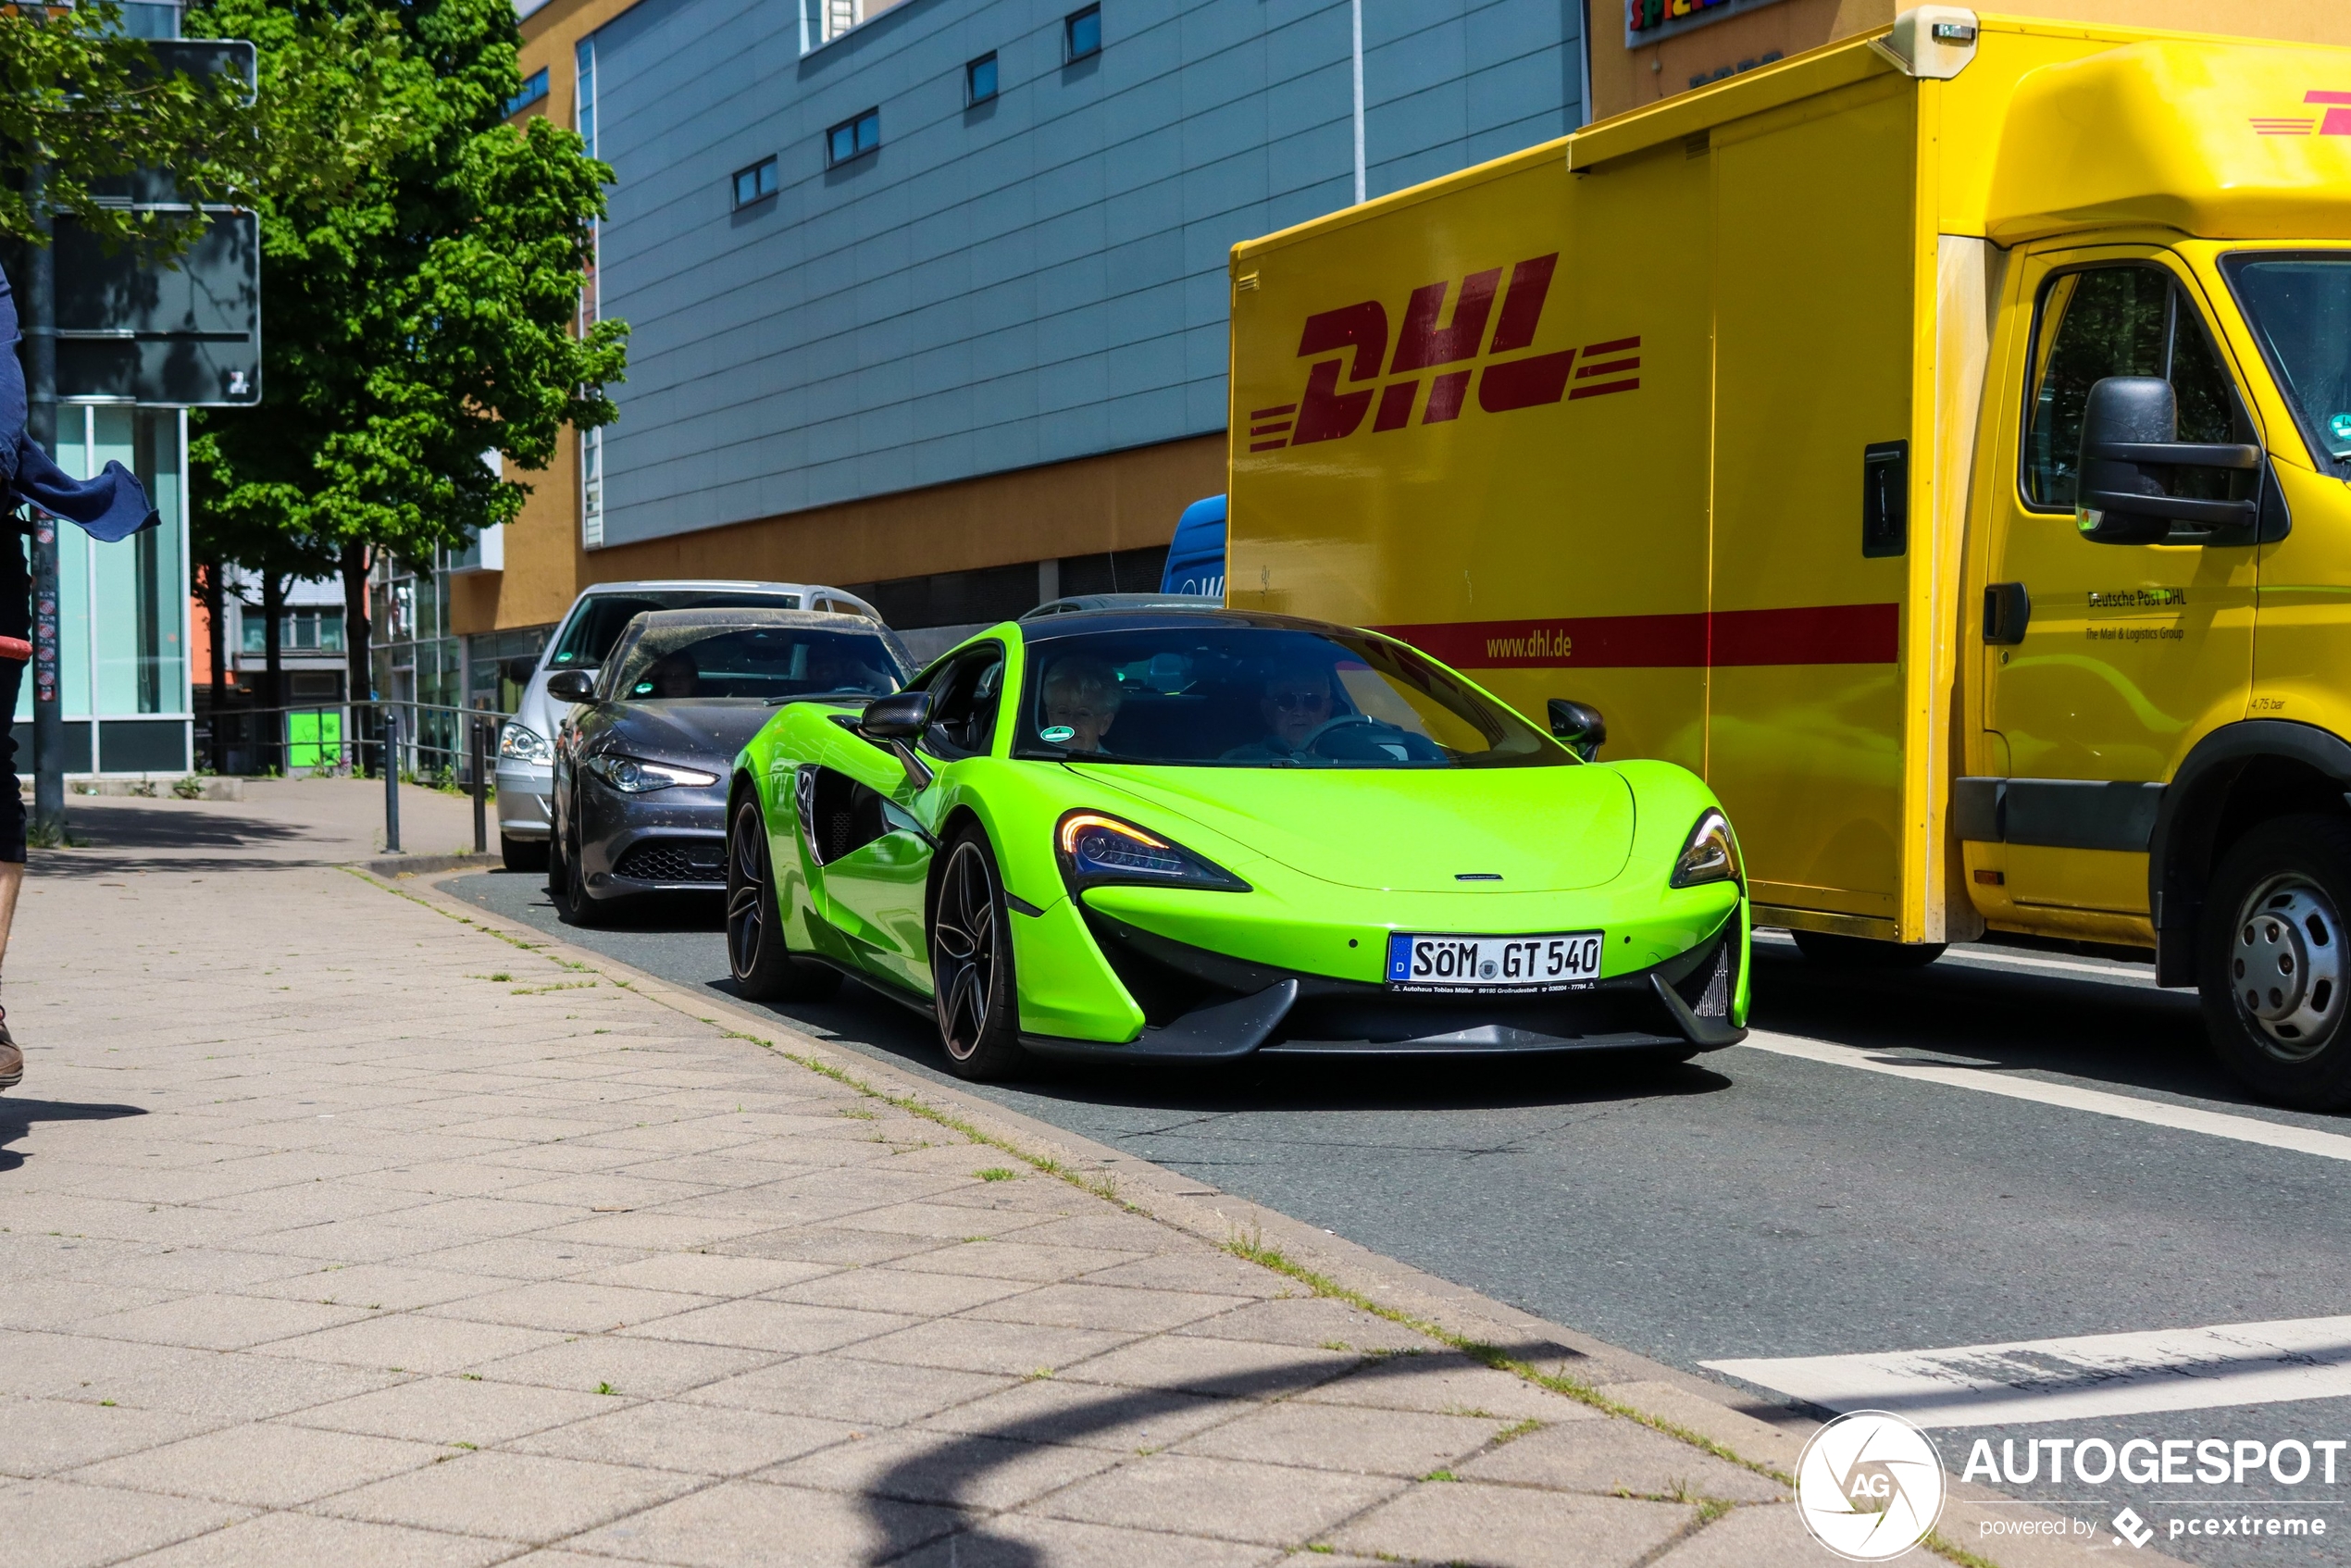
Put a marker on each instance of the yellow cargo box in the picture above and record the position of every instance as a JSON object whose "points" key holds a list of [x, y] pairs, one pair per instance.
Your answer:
{"points": [[1758, 418]]}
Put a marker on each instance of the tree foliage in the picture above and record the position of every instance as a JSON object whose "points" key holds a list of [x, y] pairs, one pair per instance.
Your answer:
{"points": [[421, 269], [90, 104]]}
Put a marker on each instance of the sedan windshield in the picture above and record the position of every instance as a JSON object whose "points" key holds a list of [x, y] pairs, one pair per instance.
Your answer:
{"points": [[1220, 695], [775, 664], [2300, 308], [597, 624]]}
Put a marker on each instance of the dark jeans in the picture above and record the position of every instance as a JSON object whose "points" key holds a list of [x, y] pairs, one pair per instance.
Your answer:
{"points": [[16, 620]]}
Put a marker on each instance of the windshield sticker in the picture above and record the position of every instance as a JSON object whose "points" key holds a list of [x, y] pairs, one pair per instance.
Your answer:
{"points": [[1057, 735]]}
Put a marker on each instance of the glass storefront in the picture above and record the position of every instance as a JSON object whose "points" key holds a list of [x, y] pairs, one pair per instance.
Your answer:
{"points": [[123, 608], [416, 660]]}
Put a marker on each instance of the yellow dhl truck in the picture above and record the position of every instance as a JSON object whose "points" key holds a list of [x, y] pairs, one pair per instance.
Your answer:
{"points": [[1939, 440]]}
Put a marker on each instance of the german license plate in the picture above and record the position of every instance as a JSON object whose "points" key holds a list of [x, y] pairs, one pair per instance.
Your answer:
{"points": [[1565, 961]]}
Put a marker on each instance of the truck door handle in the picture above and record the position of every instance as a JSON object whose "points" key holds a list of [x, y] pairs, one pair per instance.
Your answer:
{"points": [[2008, 610]]}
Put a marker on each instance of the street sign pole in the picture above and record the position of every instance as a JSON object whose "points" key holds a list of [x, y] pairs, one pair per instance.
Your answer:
{"points": [[41, 423]]}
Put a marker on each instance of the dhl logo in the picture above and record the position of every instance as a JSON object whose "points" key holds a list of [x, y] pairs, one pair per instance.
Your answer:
{"points": [[1356, 336], [2336, 124]]}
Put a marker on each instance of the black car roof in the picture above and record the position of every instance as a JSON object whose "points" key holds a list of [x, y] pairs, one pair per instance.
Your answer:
{"points": [[1086, 623]]}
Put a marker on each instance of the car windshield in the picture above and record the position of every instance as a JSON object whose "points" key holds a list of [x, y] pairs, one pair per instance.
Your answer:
{"points": [[1220, 695], [597, 624], [772, 662], [2300, 308]]}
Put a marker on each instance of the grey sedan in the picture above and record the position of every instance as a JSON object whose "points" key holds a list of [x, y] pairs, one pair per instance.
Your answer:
{"points": [[639, 793]]}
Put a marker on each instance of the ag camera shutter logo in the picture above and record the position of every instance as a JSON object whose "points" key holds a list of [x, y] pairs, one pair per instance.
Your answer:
{"points": [[1869, 1486]]}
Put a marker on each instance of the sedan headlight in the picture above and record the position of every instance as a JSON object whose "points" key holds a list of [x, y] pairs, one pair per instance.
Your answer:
{"points": [[632, 776], [519, 744], [1711, 855], [1096, 848]]}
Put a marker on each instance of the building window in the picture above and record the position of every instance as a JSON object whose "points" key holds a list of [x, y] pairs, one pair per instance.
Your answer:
{"points": [[979, 81], [533, 91], [306, 633], [592, 489], [852, 138], [755, 183], [1082, 30]]}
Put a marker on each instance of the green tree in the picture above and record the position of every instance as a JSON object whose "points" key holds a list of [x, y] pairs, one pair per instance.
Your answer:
{"points": [[88, 105], [422, 317]]}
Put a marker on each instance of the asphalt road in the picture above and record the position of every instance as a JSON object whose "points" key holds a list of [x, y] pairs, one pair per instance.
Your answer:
{"points": [[1756, 1203]]}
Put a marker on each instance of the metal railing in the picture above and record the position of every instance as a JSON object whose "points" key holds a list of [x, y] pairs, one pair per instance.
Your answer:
{"points": [[431, 743]]}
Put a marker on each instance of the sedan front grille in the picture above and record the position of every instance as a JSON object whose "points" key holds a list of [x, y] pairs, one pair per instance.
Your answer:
{"points": [[660, 860]]}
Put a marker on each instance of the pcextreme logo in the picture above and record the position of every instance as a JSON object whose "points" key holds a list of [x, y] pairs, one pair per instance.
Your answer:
{"points": [[2337, 121], [1355, 338]]}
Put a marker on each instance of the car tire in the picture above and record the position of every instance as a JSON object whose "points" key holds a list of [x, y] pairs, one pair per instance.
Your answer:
{"points": [[575, 905], [522, 854], [974, 993], [2271, 965], [757, 955], [1863, 952]]}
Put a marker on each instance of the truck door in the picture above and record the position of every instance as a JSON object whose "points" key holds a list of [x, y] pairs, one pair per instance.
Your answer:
{"points": [[2121, 655]]}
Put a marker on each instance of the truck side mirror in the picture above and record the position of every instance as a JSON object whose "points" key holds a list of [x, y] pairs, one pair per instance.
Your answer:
{"points": [[1579, 727], [2131, 423], [572, 685]]}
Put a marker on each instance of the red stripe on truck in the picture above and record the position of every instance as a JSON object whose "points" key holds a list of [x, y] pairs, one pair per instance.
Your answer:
{"points": [[1815, 634]]}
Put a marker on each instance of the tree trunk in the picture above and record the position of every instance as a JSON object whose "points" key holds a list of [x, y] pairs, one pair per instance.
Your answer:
{"points": [[216, 616], [359, 679], [273, 610]]}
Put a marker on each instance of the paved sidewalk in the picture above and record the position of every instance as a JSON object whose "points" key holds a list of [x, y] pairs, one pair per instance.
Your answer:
{"points": [[339, 1231]]}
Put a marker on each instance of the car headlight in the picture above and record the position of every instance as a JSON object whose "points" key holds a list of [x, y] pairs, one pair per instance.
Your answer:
{"points": [[519, 744], [1096, 849], [1711, 855], [632, 775]]}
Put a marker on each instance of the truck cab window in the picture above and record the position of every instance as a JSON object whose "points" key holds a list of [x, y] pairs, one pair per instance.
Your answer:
{"points": [[2120, 322]]}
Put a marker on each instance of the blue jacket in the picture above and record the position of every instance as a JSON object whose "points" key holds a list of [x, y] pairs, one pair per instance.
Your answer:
{"points": [[112, 506]]}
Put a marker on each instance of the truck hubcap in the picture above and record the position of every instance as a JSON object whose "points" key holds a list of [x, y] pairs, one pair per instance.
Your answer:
{"points": [[2287, 965]]}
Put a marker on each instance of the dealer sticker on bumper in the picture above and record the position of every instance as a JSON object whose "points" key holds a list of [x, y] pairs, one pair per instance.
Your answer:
{"points": [[1493, 963]]}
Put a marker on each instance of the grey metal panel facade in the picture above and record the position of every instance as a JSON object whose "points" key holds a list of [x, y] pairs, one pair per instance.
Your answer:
{"points": [[1028, 280]]}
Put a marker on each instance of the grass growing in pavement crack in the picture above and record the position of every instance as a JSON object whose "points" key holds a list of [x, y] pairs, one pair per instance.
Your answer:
{"points": [[996, 1173]]}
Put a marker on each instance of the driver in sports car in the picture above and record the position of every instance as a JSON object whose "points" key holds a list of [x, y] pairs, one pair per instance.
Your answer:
{"points": [[1296, 703]]}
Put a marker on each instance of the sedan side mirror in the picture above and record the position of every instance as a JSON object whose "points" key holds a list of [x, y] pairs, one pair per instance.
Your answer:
{"points": [[1579, 727], [2129, 424], [893, 722], [572, 686]]}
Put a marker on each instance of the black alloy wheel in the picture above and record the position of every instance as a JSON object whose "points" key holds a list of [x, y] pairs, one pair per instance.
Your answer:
{"points": [[973, 992], [763, 965], [575, 907], [2270, 962]]}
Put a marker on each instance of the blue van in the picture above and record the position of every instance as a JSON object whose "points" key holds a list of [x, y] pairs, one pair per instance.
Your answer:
{"points": [[1196, 557]]}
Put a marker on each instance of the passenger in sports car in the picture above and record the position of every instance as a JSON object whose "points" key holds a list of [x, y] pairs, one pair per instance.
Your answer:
{"points": [[1082, 696]]}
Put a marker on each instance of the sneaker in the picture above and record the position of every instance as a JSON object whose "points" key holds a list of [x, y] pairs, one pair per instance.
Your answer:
{"points": [[11, 1058]]}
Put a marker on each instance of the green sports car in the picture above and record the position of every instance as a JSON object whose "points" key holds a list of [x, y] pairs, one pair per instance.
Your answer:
{"points": [[1193, 835]]}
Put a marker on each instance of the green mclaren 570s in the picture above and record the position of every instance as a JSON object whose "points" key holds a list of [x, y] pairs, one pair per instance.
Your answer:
{"points": [[1181, 835]]}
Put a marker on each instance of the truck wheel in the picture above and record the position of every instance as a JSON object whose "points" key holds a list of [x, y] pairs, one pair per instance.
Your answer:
{"points": [[2271, 962], [764, 968], [522, 854], [1862, 952]]}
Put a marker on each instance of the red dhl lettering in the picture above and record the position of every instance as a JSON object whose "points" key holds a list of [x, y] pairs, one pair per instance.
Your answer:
{"points": [[1350, 347]]}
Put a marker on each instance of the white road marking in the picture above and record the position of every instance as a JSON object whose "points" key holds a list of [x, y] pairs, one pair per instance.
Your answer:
{"points": [[2096, 1374], [2155, 1113]]}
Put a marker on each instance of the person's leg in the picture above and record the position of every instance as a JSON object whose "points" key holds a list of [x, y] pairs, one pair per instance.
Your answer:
{"points": [[16, 620]]}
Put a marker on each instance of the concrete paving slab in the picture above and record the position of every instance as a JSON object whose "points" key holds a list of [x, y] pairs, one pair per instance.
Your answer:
{"points": [[1021, 1542], [509, 1496], [1270, 1505], [1513, 1527], [696, 1439], [961, 1469], [264, 1465], [756, 1525], [346, 1543], [1409, 1444]]}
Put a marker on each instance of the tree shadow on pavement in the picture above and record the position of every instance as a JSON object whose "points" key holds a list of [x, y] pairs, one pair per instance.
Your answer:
{"points": [[949, 1471], [110, 839], [17, 1114]]}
